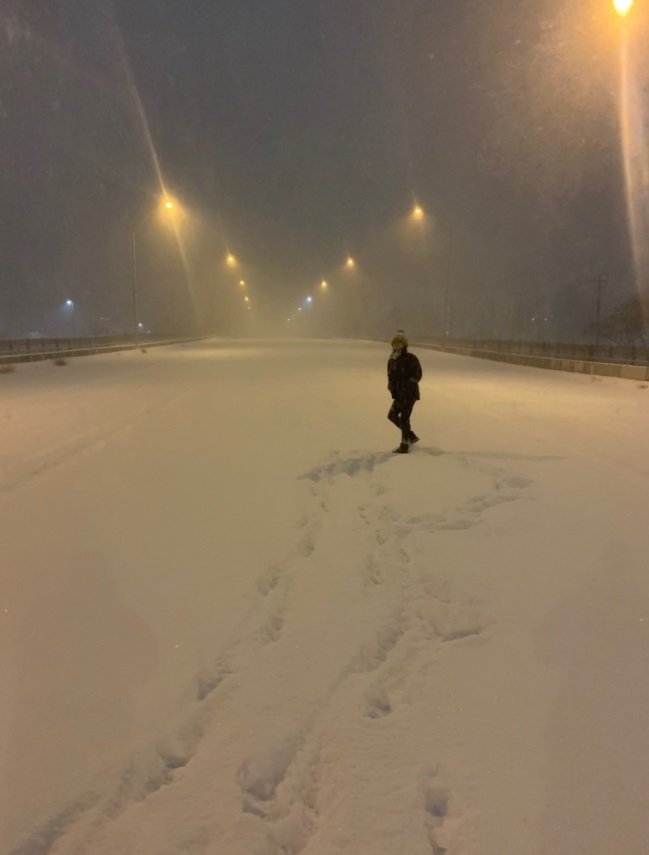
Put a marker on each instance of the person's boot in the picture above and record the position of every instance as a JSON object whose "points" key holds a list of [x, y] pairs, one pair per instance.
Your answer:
{"points": [[413, 438], [403, 448]]}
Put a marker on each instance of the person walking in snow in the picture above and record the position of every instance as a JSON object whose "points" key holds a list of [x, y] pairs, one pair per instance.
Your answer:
{"points": [[404, 374]]}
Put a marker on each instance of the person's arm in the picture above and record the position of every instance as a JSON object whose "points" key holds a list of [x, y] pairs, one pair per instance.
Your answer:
{"points": [[416, 372]]}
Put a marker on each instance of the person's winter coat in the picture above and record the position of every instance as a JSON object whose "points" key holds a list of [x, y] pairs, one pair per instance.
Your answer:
{"points": [[404, 374]]}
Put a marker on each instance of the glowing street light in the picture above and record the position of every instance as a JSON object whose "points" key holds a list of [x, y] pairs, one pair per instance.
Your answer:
{"points": [[242, 283], [350, 262], [418, 212], [246, 299], [323, 285], [623, 7], [231, 260], [69, 304], [166, 204], [309, 299]]}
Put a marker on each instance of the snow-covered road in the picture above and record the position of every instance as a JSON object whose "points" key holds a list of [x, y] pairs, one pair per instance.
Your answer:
{"points": [[233, 623]]}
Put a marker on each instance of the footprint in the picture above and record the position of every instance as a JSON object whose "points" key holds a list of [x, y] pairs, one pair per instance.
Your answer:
{"points": [[280, 788], [259, 777], [373, 574], [268, 580], [207, 682], [377, 703], [372, 655], [447, 621], [272, 629], [436, 806], [306, 546]]}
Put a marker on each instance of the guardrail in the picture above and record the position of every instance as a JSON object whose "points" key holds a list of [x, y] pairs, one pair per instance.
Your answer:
{"points": [[33, 349], [630, 363], [613, 353]]}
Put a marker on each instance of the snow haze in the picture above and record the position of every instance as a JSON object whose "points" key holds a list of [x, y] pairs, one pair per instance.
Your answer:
{"points": [[233, 622]]}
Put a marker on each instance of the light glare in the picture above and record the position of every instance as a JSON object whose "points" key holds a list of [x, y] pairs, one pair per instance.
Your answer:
{"points": [[623, 7]]}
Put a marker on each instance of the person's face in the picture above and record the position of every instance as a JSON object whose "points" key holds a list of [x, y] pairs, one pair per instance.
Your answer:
{"points": [[397, 344]]}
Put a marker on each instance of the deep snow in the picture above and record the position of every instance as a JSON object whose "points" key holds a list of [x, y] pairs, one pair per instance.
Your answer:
{"points": [[232, 622]]}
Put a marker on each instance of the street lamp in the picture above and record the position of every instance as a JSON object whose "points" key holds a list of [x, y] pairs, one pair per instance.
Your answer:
{"points": [[350, 262], [231, 260], [70, 305], [166, 205], [418, 214], [242, 283], [324, 285], [623, 7]]}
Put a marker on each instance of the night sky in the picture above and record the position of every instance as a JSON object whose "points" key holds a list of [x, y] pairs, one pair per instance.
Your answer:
{"points": [[296, 132]]}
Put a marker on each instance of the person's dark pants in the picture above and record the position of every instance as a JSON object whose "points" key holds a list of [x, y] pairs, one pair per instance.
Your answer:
{"points": [[399, 415]]}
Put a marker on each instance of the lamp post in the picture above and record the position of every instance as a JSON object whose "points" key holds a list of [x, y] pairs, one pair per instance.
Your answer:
{"points": [[166, 205], [598, 316], [136, 337], [70, 305], [447, 290], [418, 215]]}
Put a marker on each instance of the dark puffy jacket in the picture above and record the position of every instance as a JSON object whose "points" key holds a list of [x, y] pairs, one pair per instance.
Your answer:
{"points": [[404, 374]]}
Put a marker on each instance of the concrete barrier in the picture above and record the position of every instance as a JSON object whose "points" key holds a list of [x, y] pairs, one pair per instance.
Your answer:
{"points": [[555, 363], [90, 350]]}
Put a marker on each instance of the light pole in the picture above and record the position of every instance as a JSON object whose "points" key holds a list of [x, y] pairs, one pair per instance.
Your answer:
{"points": [[600, 283], [358, 298], [70, 305], [167, 205], [418, 215], [136, 337], [447, 290]]}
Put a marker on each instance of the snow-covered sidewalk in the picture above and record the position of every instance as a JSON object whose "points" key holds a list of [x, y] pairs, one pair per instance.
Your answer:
{"points": [[231, 621]]}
